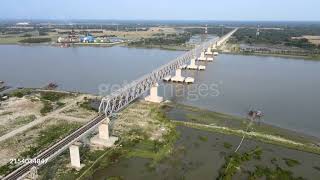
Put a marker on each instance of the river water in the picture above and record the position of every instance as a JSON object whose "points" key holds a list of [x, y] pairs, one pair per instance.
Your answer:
{"points": [[286, 90]]}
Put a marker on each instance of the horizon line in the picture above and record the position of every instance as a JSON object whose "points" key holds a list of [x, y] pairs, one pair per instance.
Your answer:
{"points": [[97, 19]]}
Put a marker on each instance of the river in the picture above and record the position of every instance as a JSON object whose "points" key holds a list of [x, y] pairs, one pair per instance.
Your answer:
{"points": [[286, 90]]}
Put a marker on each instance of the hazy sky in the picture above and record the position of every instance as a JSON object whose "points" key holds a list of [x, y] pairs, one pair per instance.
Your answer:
{"points": [[162, 9]]}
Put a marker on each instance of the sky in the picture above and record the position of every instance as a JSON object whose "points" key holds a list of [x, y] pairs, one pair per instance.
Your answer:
{"points": [[249, 10]]}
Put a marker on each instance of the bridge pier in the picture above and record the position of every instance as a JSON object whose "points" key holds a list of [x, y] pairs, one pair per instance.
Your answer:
{"points": [[102, 138], [153, 97], [202, 57], [209, 54], [192, 64], [178, 77], [209, 51], [33, 174], [75, 156]]}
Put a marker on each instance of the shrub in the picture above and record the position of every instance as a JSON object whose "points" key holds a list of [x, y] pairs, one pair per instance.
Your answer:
{"points": [[47, 107], [52, 96], [35, 40]]}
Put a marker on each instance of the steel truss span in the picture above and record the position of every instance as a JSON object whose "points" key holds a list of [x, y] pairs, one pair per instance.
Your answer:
{"points": [[124, 96], [114, 103]]}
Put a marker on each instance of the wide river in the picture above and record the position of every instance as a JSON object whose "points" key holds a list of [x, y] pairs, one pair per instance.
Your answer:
{"points": [[286, 90]]}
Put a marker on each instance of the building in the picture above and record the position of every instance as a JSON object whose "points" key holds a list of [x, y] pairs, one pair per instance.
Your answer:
{"points": [[87, 39], [22, 24]]}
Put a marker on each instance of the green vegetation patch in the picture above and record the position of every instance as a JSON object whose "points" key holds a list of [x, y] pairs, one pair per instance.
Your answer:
{"points": [[20, 92], [169, 39], [51, 101], [291, 162], [316, 168], [276, 36], [35, 40], [47, 107], [270, 174], [203, 138], [222, 123], [21, 120], [227, 145], [86, 104], [52, 96], [50, 135], [235, 161], [133, 143], [153, 149]]}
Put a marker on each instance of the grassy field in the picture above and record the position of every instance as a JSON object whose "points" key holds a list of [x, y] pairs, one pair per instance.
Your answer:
{"points": [[134, 142], [17, 39], [46, 136], [218, 122], [10, 40]]}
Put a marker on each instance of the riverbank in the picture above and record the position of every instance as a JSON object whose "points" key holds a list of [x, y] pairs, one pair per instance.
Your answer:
{"points": [[311, 58], [164, 47], [155, 139], [230, 48]]}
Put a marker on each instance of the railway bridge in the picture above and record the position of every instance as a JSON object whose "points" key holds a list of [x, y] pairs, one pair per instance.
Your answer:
{"points": [[114, 103]]}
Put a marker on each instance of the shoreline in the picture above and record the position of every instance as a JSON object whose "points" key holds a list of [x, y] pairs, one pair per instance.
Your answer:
{"points": [[308, 58], [204, 120], [165, 47], [226, 50]]}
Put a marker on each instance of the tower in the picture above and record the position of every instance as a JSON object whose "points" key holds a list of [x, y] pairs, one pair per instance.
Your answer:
{"points": [[206, 29]]}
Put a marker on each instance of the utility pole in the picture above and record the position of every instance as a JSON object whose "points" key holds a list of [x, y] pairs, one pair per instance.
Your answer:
{"points": [[222, 30]]}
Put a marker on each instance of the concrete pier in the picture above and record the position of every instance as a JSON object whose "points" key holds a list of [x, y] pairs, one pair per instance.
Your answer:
{"points": [[33, 175], [102, 138], [178, 77], [209, 51], [153, 97], [202, 57], [75, 156], [192, 64]]}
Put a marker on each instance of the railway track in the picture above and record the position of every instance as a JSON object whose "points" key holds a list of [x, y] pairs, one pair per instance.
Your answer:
{"points": [[55, 149]]}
